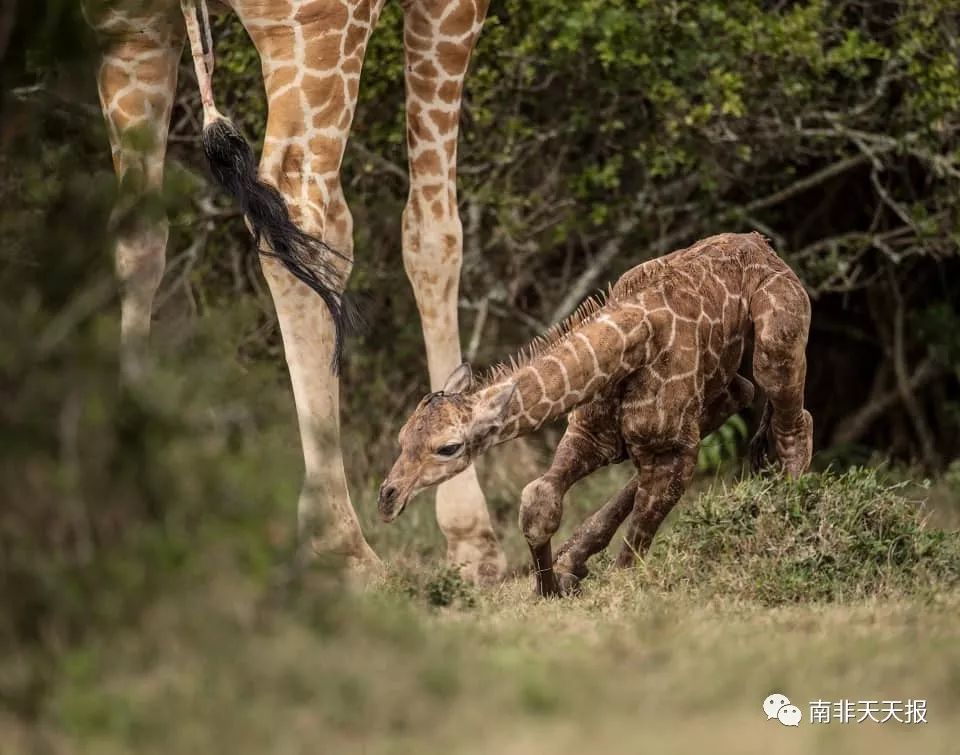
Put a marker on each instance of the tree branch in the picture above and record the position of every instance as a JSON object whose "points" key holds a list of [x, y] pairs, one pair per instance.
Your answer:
{"points": [[854, 427], [907, 396], [8, 17], [597, 267]]}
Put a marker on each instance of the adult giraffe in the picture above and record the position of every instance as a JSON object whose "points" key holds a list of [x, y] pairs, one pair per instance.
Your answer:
{"points": [[311, 53]]}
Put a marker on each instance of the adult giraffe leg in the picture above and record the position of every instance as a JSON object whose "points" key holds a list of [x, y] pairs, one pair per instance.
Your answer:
{"points": [[312, 60], [592, 440], [781, 315], [137, 81], [439, 36]]}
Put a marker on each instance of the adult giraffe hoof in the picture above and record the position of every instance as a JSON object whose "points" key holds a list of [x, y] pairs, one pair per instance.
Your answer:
{"points": [[486, 573], [364, 570], [480, 560], [350, 558]]}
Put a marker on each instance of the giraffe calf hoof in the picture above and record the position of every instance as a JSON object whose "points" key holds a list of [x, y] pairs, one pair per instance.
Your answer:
{"points": [[569, 584], [546, 593], [547, 587], [795, 452]]}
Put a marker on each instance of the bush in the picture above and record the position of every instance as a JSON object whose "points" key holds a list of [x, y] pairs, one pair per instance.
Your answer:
{"points": [[823, 537]]}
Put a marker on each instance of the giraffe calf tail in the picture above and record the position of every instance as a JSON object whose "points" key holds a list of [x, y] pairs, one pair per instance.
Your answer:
{"points": [[758, 449], [234, 167]]}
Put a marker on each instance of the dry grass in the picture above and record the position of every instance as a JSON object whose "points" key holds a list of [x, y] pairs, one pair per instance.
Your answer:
{"points": [[617, 671]]}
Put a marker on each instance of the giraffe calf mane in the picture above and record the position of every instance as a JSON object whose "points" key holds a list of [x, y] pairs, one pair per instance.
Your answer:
{"points": [[540, 345], [583, 314]]}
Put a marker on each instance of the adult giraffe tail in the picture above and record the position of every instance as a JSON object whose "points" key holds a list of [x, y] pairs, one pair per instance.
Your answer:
{"points": [[234, 167]]}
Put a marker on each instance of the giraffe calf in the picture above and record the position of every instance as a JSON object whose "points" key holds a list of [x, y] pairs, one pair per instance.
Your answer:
{"points": [[643, 374]]}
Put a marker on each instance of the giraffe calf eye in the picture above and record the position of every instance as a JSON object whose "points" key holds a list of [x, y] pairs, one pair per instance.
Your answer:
{"points": [[449, 449]]}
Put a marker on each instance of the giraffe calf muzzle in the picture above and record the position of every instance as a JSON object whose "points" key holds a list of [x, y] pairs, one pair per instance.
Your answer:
{"points": [[390, 503]]}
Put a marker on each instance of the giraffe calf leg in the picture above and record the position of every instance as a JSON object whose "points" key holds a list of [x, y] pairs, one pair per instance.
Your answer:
{"points": [[662, 479], [591, 537], [781, 315], [596, 532], [736, 397], [592, 440], [541, 508]]}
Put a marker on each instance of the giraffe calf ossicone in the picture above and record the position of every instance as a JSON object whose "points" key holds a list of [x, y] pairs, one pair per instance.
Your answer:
{"points": [[644, 374]]}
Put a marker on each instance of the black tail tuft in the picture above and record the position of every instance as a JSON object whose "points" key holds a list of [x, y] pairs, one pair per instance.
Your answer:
{"points": [[234, 167], [354, 323], [759, 444]]}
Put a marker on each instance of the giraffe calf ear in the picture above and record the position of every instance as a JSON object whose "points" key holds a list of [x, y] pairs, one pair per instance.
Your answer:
{"points": [[489, 414], [460, 379]]}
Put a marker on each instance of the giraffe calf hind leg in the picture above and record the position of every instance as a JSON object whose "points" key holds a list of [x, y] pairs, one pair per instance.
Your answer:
{"points": [[736, 397], [592, 536], [662, 479], [781, 315]]}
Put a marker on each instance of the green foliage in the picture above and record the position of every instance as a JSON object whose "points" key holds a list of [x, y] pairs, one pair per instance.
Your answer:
{"points": [[447, 588], [938, 325], [823, 537], [722, 445], [830, 126], [441, 587]]}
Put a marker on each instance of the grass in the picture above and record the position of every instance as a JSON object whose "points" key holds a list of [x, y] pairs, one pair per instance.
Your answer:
{"points": [[616, 671], [822, 538], [145, 527], [676, 656]]}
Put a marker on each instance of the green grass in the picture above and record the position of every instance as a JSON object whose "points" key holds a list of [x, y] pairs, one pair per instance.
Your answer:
{"points": [[675, 656], [825, 537]]}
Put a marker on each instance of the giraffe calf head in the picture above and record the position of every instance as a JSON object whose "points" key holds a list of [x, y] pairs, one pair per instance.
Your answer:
{"points": [[445, 433]]}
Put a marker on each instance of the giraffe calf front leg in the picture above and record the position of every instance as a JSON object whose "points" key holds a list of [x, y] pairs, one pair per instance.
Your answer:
{"points": [[592, 440], [541, 509]]}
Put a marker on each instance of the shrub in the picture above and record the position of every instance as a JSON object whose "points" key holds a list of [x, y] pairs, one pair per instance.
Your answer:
{"points": [[823, 537]]}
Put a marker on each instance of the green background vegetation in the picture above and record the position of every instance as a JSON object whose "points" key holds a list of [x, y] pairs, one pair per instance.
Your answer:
{"points": [[143, 531]]}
